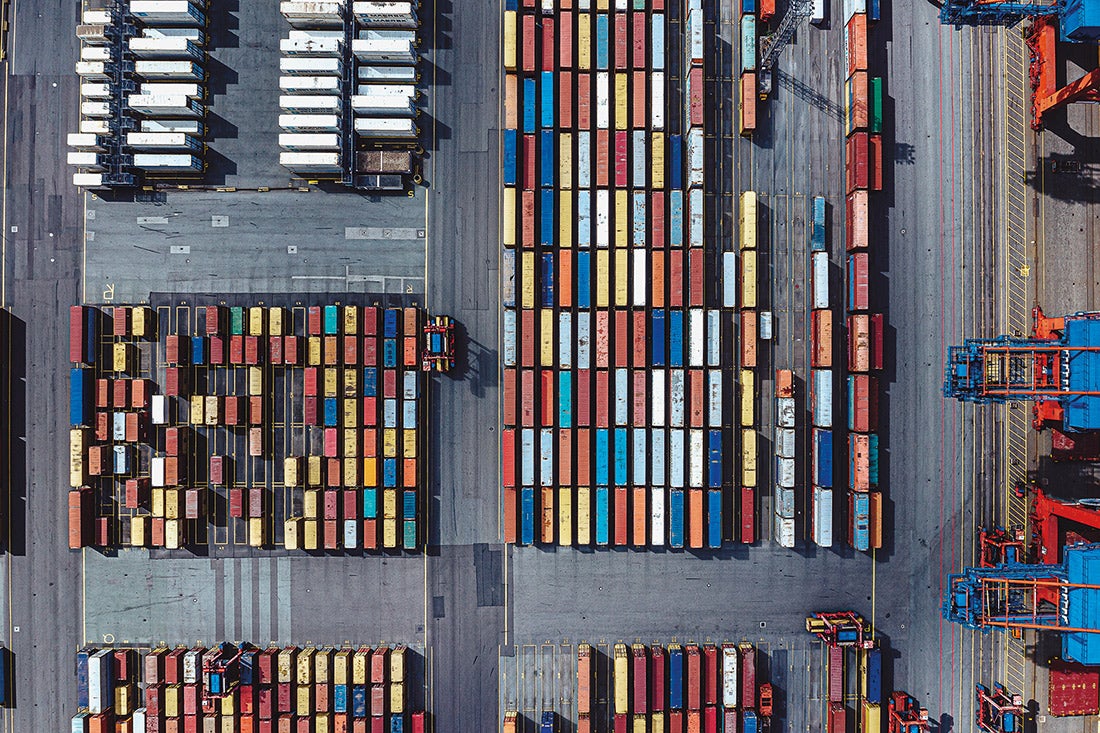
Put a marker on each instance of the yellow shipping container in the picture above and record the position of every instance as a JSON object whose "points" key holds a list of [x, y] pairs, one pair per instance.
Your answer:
{"points": [[359, 663], [397, 663], [546, 337], [309, 534], [748, 457], [397, 697], [747, 220], [351, 382], [565, 516], [332, 381], [351, 320], [173, 538], [172, 503], [351, 441], [657, 161], [285, 661], [370, 471], [748, 278], [197, 405], [274, 321], [622, 680], [256, 532], [584, 41], [565, 160], [603, 278], [622, 277], [290, 533], [156, 502], [640, 723], [527, 293], [621, 102], [172, 701], [120, 357], [389, 503], [748, 398], [510, 40], [304, 699], [389, 533], [256, 321], [313, 470], [584, 516], [351, 412], [341, 663], [351, 472], [565, 219], [141, 321], [321, 723], [389, 442], [255, 381], [313, 350], [137, 530], [311, 499], [228, 706], [657, 723], [409, 443], [211, 409], [78, 468], [622, 218], [124, 696], [229, 725], [508, 232], [601, 4], [870, 716], [322, 663], [290, 470]]}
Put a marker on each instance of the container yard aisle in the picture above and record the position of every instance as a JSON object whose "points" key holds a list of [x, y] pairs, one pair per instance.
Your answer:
{"points": [[42, 239], [466, 565]]}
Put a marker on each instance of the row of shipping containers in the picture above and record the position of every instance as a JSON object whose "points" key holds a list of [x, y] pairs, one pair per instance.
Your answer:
{"points": [[348, 83], [822, 318], [142, 92], [868, 697], [740, 280], [352, 378], [238, 688], [863, 163], [614, 415]]}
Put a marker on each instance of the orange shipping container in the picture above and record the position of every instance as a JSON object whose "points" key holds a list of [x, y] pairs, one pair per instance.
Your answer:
{"points": [[784, 383], [584, 679], [511, 101], [821, 338], [748, 102], [855, 43], [657, 279], [621, 537], [855, 219], [565, 457], [695, 518], [412, 358], [547, 514], [748, 338], [640, 516], [510, 535], [876, 520], [565, 278], [584, 466]]}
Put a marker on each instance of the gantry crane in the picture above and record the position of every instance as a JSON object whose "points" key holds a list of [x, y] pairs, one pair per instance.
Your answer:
{"points": [[998, 711], [906, 715], [1047, 538], [772, 45], [221, 675]]}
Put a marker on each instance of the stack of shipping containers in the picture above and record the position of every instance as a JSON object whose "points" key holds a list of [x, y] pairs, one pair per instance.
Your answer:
{"points": [[863, 174], [141, 94], [341, 381], [614, 427], [746, 83], [242, 689], [821, 382], [674, 688], [786, 424], [744, 262], [311, 86], [385, 58]]}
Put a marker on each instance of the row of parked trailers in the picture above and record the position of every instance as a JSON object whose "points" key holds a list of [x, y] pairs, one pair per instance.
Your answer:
{"points": [[142, 92], [237, 688], [863, 163], [868, 695], [348, 90], [353, 375], [613, 371]]}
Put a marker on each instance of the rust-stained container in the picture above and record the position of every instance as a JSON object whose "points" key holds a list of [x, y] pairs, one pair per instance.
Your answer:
{"points": [[236, 349], [313, 320], [217, 474], [80, 517], [546, 515], [862, 403], [527, 43], [275, 350], [856, 227], [102, 393], [748, 338], [119, 390], [139, 393], [584, 101], [856, 103], [857, 163], [527, 338], [696, 398], [291, 350], [584, 678], [855, 43], [621, 50], [133, 428], [639, 339], [379, 665], [622, 349], [747, 108], [172, 349], [231, 406], [351, 350], [859, 296], [859, 343], [695, 278], [255, 410], [676, 278], [330, 351], [821, 339]]}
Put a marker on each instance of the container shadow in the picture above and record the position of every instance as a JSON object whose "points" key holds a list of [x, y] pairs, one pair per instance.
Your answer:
{"points": [[13, 416]]}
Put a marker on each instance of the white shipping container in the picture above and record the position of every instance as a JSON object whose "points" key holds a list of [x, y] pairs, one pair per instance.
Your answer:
{"points": [[823, 517], [765, 332], [374, 74], [167, 162], [88, 180], [84, 141], [159, 408], [603, 111], [309, 141], [638, 435], [312, 162], [310, 46], [186, 89], [93, 90], [195, 35], [657, 100], [383, 105], [657, 457], [118, 426], [729, 279], [100, 687], [565, 340], [785, 411], [91, 126], [853, 7], [87, 159], [622, 397], [167, 105], [95, 53], [584, 155], [714, 338], [640, 278], [390, 51], [99, 16], [730, 685], [171, 47], [351, 537], [676, 398], [386, 14], [167, 12], [168, 70], [92, 70], [297, 84], [310, 123], [784, 472], [194, 128], [657, 397], [162, 141], [310, 103], [583, 340], [657, 517], [311, 66], [694, 154], [696, 458], [696, 337], [138, 720], [714, 398], [821, 279], [603, 216], [784, 442], [96, 109], [546, 457], [156, 469], [676, 459], [527, 456], [387, 128], [784, 502], [509, 337], [822, 397], [191, 667], [313, 14], [784, 531]]}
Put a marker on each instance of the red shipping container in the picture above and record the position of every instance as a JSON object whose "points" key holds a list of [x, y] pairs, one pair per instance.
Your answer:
{"points": [[370, 351], [527, 45], [695, 88], [122, 667], [217, 475], [236, 349], [696, 391], [527, 338], [284, 703], [266, 667], [622, 169], [236, 503], [264, 702], [748, 515], [408, 473], [313, 320], [334, 472], [639, 115], [331, 504], [529, 159], [862, 403], [603, 338], [565, 457], [351, 504], [620, 538], [152, 699], [172, 441], [255, 410], [657, 227], [217, 350], [310, 381], [330, 442], [133, 428], [370, 411], [748, 103], [639, 395], [102, 393], [370, 533], [710, 674], [878, 326], [172, 349], [351, 350], [120, 318], [102, 431], [565, 44], [858, 282], [855, 38], [158, 532], [584, 397], [211, 319], [876, 162], [119, 396], [658, 695], [548, 43], [275, 349], [192, 504], [855, 213], [622, 338], [602, 396], [620, 723], [412, 353], [232, 410], [290, 350], [171, 471], [695, 267], [309, 411], [172, 381], [584, 454], [77, 326], [190, 699], [856, 163], [767, 10], [173, 667], [603, 149], [584, 96], [320, 692], [139, 393], [330, 534], [620, 41], [639, 59], [389, 384], [676, 278], [509, 509], [509, 406], [255, 503], [549, 407], [639, 341], [369, 320], [251, 350]]}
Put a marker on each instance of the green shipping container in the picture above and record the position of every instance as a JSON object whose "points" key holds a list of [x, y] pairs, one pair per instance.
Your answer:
{"points": [[876, 104], [409, 540], [236, 321], [331, 313]]}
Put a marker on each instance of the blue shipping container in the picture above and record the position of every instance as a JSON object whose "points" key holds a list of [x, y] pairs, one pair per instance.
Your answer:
{"points": [[330, 412], [397, 723], [547, 101], [82, 678], [676, 519], [872, 459], [676, 219], [547, 279], [89, 335], [874, 9], [359, 701], [340, 698], [601, 41], [511, 4], [861, 520], [529, 102], [547, 724], [198, 350], [657, 338], [548, 164], [676, 338], [248, 661], [621, 450], [823, 458], [527, 515], [565, 399], [389, 353], [873, 693], [601, 515], [370, 381], [547, 231], [748, 6], [510, 157], [370, 503], [714, 518], [408, 508], [389, 323], [80, 396], [714, 475], [676, 161], [584, 279], [389, 472], [817, 240], [675, 677], [749, 725], [601, 457]]}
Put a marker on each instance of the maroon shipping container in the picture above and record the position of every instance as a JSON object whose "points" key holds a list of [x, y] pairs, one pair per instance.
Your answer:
{"points": [[639, 393], [641, 692], [77, 326], [123, 668], [693, 667], [263, 702], [601, 398], [152, 698], [350, 504], [102, 432], [565, 99], [548, 43], [603, 338], [211, 314], [565, 40], [527, 398], [389, 384], [639, 340], [370, 351], [878, 325], [310, 381], [658, 693], [246, 699], [639, 60], [838, 718], [236, 349], [290, 350], [620, 723], [173, 667], [862, 403], [695, 88], [527, 43], [236, 503], [622, 169], [251, 350], [527, 338], [119, 396], [369, 316], [217, 350], [584, 92], [529, 159], [217, 474], [695, 284], [549, 404], [172, 349], [232, 410], [255, 410], [172, 381], [603, 146], [266, 666], [622, 338], [621, 55], [331, 504], [676, 278], [876, 162], [836, 674], [309, 411], [584, 397], [856, 163], [283, 699], [102, 393], [710, 674], [313, 320], [275, 349], [120, 320], [255, 503]]}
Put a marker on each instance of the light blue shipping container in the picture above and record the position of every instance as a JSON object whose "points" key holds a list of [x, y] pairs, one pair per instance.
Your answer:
{"points": [[714, 398], [714, 338], [676, 459], [639, 458], [639, 149], [695, 206], [676, 219], [122, 459], [602, 50], [565, 340], [657, 41], [622, 450], [639, 219], [389, 412], [584, 222], [601, 515], [527, 457], [676, 527], [509, 337], [622, 397], [565, 399], [817, 239], [657, 457], [582, 163], [729, 279], [410, 385], [546, 101], [408, 414], [332, 322], [529, 102], [546, 456], [584, 343], [748, 43], [676, 394], [861, 521], [695, 34], [602, 457]]}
